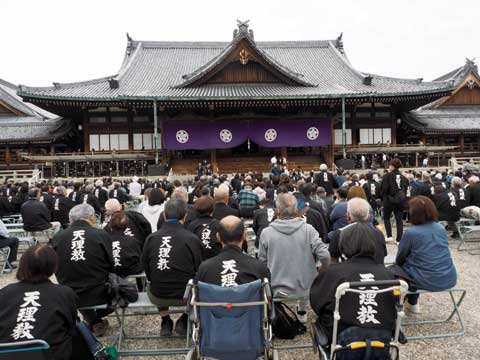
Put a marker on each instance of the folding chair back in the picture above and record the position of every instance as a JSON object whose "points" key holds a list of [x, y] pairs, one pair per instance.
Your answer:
{"points": [[25, 350], [4, 254], [232, 330], [370, 312]]}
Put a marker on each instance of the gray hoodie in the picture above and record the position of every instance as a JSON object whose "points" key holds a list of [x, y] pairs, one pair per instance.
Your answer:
{"points": [[292, 250]]}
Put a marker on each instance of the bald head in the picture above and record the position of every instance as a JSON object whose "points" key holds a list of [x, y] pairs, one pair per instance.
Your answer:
{"points": [[221, 194], [112, 206], [231, 231]]}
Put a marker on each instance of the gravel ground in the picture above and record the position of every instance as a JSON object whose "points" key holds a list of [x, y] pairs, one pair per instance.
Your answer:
{"points": [[432, 306]]}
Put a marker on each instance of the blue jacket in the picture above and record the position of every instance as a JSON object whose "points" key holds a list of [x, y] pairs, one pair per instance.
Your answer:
{"points": [[424, 255]]}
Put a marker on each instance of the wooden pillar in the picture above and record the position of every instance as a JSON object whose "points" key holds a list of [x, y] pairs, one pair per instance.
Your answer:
{"points": [[52, 149], [462, 142], [8, 156], [393, 141], [130, 116], [213, 159], [86, 137]]}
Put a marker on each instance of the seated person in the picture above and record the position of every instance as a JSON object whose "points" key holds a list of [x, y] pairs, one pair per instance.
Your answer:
{"points": [[61, 207], [153, 210], [293, 252], [338, 216], [118, 193], [180, 193], [247, 200], [359, 266], [448, 208], [206, 227], [358, 216], [231, 267], [262, 218], [36, 216], [7, 241], [222, 208], [126, 250], [171, 257], [423, 257], [85, 260], [35, 308], [138, 226], [312, 216]]}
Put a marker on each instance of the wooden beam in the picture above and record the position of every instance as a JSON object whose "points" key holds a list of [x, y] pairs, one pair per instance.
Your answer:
{"points": [[462, 142], [8, 156]]}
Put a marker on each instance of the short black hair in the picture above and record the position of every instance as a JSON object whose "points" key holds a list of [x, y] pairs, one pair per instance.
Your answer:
{"points": [[175, 209], [156, 197], [306, 189], [357, 239], [231, 234], [37, 264], [343, 192], [33, 192]]}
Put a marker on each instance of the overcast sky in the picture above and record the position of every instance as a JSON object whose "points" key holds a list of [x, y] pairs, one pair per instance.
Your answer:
{"points": [[63, 41]]}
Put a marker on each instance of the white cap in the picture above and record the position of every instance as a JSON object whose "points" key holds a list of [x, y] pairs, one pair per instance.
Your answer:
{"points": [[134, 178]]}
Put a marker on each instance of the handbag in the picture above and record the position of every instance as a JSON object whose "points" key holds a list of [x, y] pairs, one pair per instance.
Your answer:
{"points": [[120, 291], [286, 324]]}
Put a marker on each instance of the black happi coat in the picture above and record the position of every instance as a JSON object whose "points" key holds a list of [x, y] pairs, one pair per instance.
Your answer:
{"points": [[35, 215], [184, 257], [447, 205], [322, 292], [249, 269], [47, 199], [463, 196], [327, 181], [54, 318], [90, 199], [126, 253], [222, 210], [138, 227], [61, 208], [206, 228], [191, 215], [102, 195], [119, 195], [86, 277]]}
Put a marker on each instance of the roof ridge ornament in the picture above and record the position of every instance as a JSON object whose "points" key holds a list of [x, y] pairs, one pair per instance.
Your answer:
{"points": [[339, 43], [129, 44], [243, 30]]}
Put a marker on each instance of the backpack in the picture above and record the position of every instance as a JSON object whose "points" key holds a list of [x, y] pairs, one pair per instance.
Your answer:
{"points": [[286, 324], [120, 291]]}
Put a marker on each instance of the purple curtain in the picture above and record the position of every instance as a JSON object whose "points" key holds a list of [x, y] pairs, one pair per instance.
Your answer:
{"points": [[228, 134]]}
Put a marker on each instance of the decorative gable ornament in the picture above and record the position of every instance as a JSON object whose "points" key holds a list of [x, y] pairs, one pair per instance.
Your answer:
{"points": [[244, 57]]}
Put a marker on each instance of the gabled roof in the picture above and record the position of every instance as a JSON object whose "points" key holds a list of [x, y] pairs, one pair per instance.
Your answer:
{"points": [[167, 71], [435, 117], [27, 122]]}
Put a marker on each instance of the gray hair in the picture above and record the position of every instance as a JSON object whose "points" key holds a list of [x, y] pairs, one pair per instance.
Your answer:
{"points": [[323, 167], [456, 181], [359, 210], [89, 188], [81, 212], [99, 183], [147, 192], [286, 205], [221, 193], [426, 176], [180, 193], [112, 206], [60, 190]]}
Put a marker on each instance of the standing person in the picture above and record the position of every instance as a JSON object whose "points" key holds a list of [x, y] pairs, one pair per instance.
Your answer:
{"points": [[171, 257], [35, 308], [393, 189], [7, 241], [423, 257], [85, 260], [425, 162], [326, 180]]}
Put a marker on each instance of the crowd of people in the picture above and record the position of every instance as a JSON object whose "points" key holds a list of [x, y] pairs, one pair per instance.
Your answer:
{"points": [[313, 231]]}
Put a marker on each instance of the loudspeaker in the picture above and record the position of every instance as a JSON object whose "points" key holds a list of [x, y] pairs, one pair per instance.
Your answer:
{"points": [[157, 170]]}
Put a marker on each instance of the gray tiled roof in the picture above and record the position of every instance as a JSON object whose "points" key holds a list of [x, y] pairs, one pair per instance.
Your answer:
{"points": [[449, 119], [457, 76], [34, 123], [157, 70]]}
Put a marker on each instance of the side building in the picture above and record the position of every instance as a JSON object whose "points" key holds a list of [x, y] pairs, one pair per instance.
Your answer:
{"points": [[235, 104]]}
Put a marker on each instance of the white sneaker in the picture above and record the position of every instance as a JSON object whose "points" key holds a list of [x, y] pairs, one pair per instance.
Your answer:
{"points": [[414, 309], [389, 240]]}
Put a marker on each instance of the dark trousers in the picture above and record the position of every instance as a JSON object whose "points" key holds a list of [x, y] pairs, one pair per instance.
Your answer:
{"points": [[398, 272], [398, 213], [12, 243], [93, 317]]}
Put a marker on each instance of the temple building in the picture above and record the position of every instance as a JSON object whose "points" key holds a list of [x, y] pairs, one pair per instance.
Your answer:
{"points": [[453, 119], [233, 103], [26, 129]]}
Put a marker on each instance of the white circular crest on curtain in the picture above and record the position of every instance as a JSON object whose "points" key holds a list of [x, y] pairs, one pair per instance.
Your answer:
{"points": [[312, 133], [270, 135], [182, 136], [226, 135]]}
